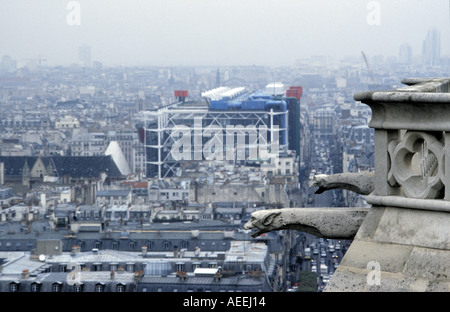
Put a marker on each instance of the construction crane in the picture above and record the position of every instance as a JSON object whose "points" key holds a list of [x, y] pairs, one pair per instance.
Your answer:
{"points": [[368, 68]]}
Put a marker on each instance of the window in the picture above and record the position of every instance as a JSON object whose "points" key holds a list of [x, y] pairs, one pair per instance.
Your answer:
{"points": [[35, 287], [97, 267], [166, 245], [120, 288], [99, 287], [13, 287], [78, 288], [56, 287], [115, 245]]}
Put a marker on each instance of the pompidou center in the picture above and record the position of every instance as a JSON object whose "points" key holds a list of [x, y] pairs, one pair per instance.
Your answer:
{"points": [[231, 124]]}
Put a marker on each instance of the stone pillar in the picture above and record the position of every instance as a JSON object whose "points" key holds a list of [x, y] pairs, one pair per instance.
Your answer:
{"points": [[404, 242]]}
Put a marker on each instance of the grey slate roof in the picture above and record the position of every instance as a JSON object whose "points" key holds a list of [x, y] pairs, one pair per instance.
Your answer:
{"points": [[73, 166]]}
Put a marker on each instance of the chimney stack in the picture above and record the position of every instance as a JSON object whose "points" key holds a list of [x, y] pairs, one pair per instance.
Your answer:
{"points": [[144, 251], [75, 249], [25, 274]]}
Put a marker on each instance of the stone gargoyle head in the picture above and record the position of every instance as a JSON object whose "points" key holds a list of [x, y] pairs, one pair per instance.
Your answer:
{"points": [[265, 221]]}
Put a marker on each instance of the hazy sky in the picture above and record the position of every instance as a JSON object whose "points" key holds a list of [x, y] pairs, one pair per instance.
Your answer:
{"points": [[216, 32]]}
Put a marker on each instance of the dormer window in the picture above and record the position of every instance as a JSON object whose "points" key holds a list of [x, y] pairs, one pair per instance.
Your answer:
{"points": [[14, 287], [99, 287]]}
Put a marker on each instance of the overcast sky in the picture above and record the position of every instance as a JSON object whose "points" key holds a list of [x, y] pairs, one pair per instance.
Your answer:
{"points": [[216, 32]]}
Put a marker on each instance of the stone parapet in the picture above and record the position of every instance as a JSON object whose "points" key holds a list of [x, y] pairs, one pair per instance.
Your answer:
{"points": [[411, 250], [403, 243]]}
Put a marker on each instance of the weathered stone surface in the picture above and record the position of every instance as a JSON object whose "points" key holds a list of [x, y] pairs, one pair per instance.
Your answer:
{"points": [[431, 264], [414, 227], [391, 257], [371, 223], [359, 182], [439, 287], [410, 246], [336, 223]]}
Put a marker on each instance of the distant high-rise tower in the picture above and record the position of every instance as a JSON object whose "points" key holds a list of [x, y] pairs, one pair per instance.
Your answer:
{"points": [[218, 78], [432, 47], [405, 54], [84, 55]]}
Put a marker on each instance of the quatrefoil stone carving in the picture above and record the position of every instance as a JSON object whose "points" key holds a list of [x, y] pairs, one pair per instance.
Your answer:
{"points": [[417, 165]]}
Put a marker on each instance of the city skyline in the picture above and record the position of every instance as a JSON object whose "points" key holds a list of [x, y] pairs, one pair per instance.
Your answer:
{"points": [[219, 33]]}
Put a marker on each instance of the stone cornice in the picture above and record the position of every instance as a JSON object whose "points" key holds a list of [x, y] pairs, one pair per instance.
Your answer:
{"points": [[423, 105], [410, 203]]}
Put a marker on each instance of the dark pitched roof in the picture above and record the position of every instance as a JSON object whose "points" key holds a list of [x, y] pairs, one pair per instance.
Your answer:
{"points": [[74, 166], [86, 166], [14, 164]]}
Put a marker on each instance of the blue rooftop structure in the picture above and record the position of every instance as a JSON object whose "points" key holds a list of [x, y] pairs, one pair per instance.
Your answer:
{"points": [[237, 99]]}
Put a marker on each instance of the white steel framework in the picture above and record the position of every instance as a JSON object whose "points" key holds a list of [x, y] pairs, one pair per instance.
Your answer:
{"points": [[159, 126]]}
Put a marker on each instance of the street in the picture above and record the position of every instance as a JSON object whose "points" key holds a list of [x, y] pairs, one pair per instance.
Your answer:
{"points": [[312, 253]]}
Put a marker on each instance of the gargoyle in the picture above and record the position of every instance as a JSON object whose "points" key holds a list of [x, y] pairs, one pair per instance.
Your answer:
{"points": [[334, 223], [360, 182]]}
